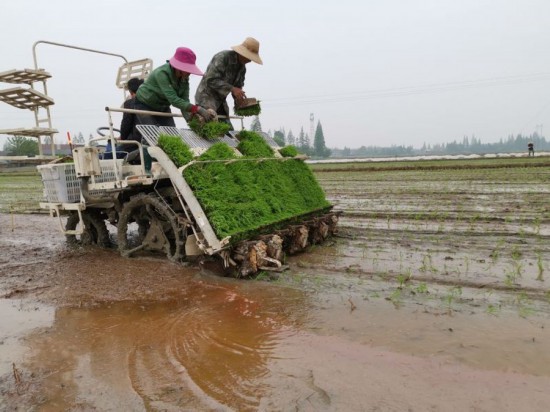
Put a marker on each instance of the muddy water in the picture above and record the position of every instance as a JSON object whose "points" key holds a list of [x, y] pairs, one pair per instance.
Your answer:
{"points": [[227, 345], [207, 349], [18, 319]]}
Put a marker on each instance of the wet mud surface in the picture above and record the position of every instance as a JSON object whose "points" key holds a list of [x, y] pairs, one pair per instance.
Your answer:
{"points": [[403, 310]]}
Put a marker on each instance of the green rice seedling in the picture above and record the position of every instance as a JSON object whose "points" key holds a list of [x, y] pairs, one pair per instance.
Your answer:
{"points": [[487, 294], [317, 280], [252, 145], [241, 197], [262, 276], [453, 294], [466, 264], [350, 269], [400, 260], [524, 305], [427, 264], [218, 151], [512, 274], [509, 279], [175, 149], [540, 266], [522, 298], [537, 223], [404, 278], [396, 298], [209, 130], [495, 254], [518, 267], [253, 110], [526, 311], [422, 288], [516, 253], [288, 151], [492, 309]]}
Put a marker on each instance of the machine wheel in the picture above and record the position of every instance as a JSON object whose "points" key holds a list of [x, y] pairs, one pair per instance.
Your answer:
{"points": [[158, 228], [95, 230]]}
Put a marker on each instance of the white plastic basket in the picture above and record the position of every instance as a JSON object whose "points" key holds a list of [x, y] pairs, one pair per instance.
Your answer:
{"points": [[61, 184]]}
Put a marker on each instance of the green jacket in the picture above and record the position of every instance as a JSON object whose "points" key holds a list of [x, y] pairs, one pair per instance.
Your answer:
{"points": [[162, 89]]}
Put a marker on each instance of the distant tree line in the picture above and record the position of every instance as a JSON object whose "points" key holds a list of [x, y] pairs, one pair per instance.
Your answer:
{"points": [[303, 142], [471, 145], [23, 146]]}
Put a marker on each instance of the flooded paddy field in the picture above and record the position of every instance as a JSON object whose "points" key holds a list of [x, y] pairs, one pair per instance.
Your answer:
{"points": [[434, 295]]}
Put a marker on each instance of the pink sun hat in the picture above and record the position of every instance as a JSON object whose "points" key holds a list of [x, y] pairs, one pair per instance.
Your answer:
{"points": [[184, 59]]}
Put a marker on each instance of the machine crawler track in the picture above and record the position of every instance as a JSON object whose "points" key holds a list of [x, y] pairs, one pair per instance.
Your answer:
{"points": [[267, 252]]}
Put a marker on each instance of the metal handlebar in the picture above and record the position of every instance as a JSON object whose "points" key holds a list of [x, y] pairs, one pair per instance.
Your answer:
{"points": [[70, 47], [163, 114]]}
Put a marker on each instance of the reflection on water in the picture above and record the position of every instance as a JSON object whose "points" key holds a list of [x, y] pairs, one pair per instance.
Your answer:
{"points": [[17, 317], [207, 349]]}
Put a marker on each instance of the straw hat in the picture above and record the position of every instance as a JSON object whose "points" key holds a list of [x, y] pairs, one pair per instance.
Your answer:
{"points": [[184, 59], [250, 48]]}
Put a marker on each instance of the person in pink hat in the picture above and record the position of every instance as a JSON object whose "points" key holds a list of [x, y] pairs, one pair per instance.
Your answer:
{"points": [[168, 85]]}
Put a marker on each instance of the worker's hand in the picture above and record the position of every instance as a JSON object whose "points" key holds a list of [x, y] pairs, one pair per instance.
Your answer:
{"points": [[238, 94], [207, 115], [214, 114]]}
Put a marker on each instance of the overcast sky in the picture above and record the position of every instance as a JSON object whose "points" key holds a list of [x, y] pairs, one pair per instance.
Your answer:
{"points": [[374, 72]]}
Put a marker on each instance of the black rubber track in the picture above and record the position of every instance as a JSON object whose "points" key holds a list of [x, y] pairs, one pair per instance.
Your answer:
{"points": [[95, 230], [144, 208]]}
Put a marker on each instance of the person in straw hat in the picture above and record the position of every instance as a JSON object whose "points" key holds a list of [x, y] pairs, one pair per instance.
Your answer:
{"points": [[226, 74], [168, 85]]}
